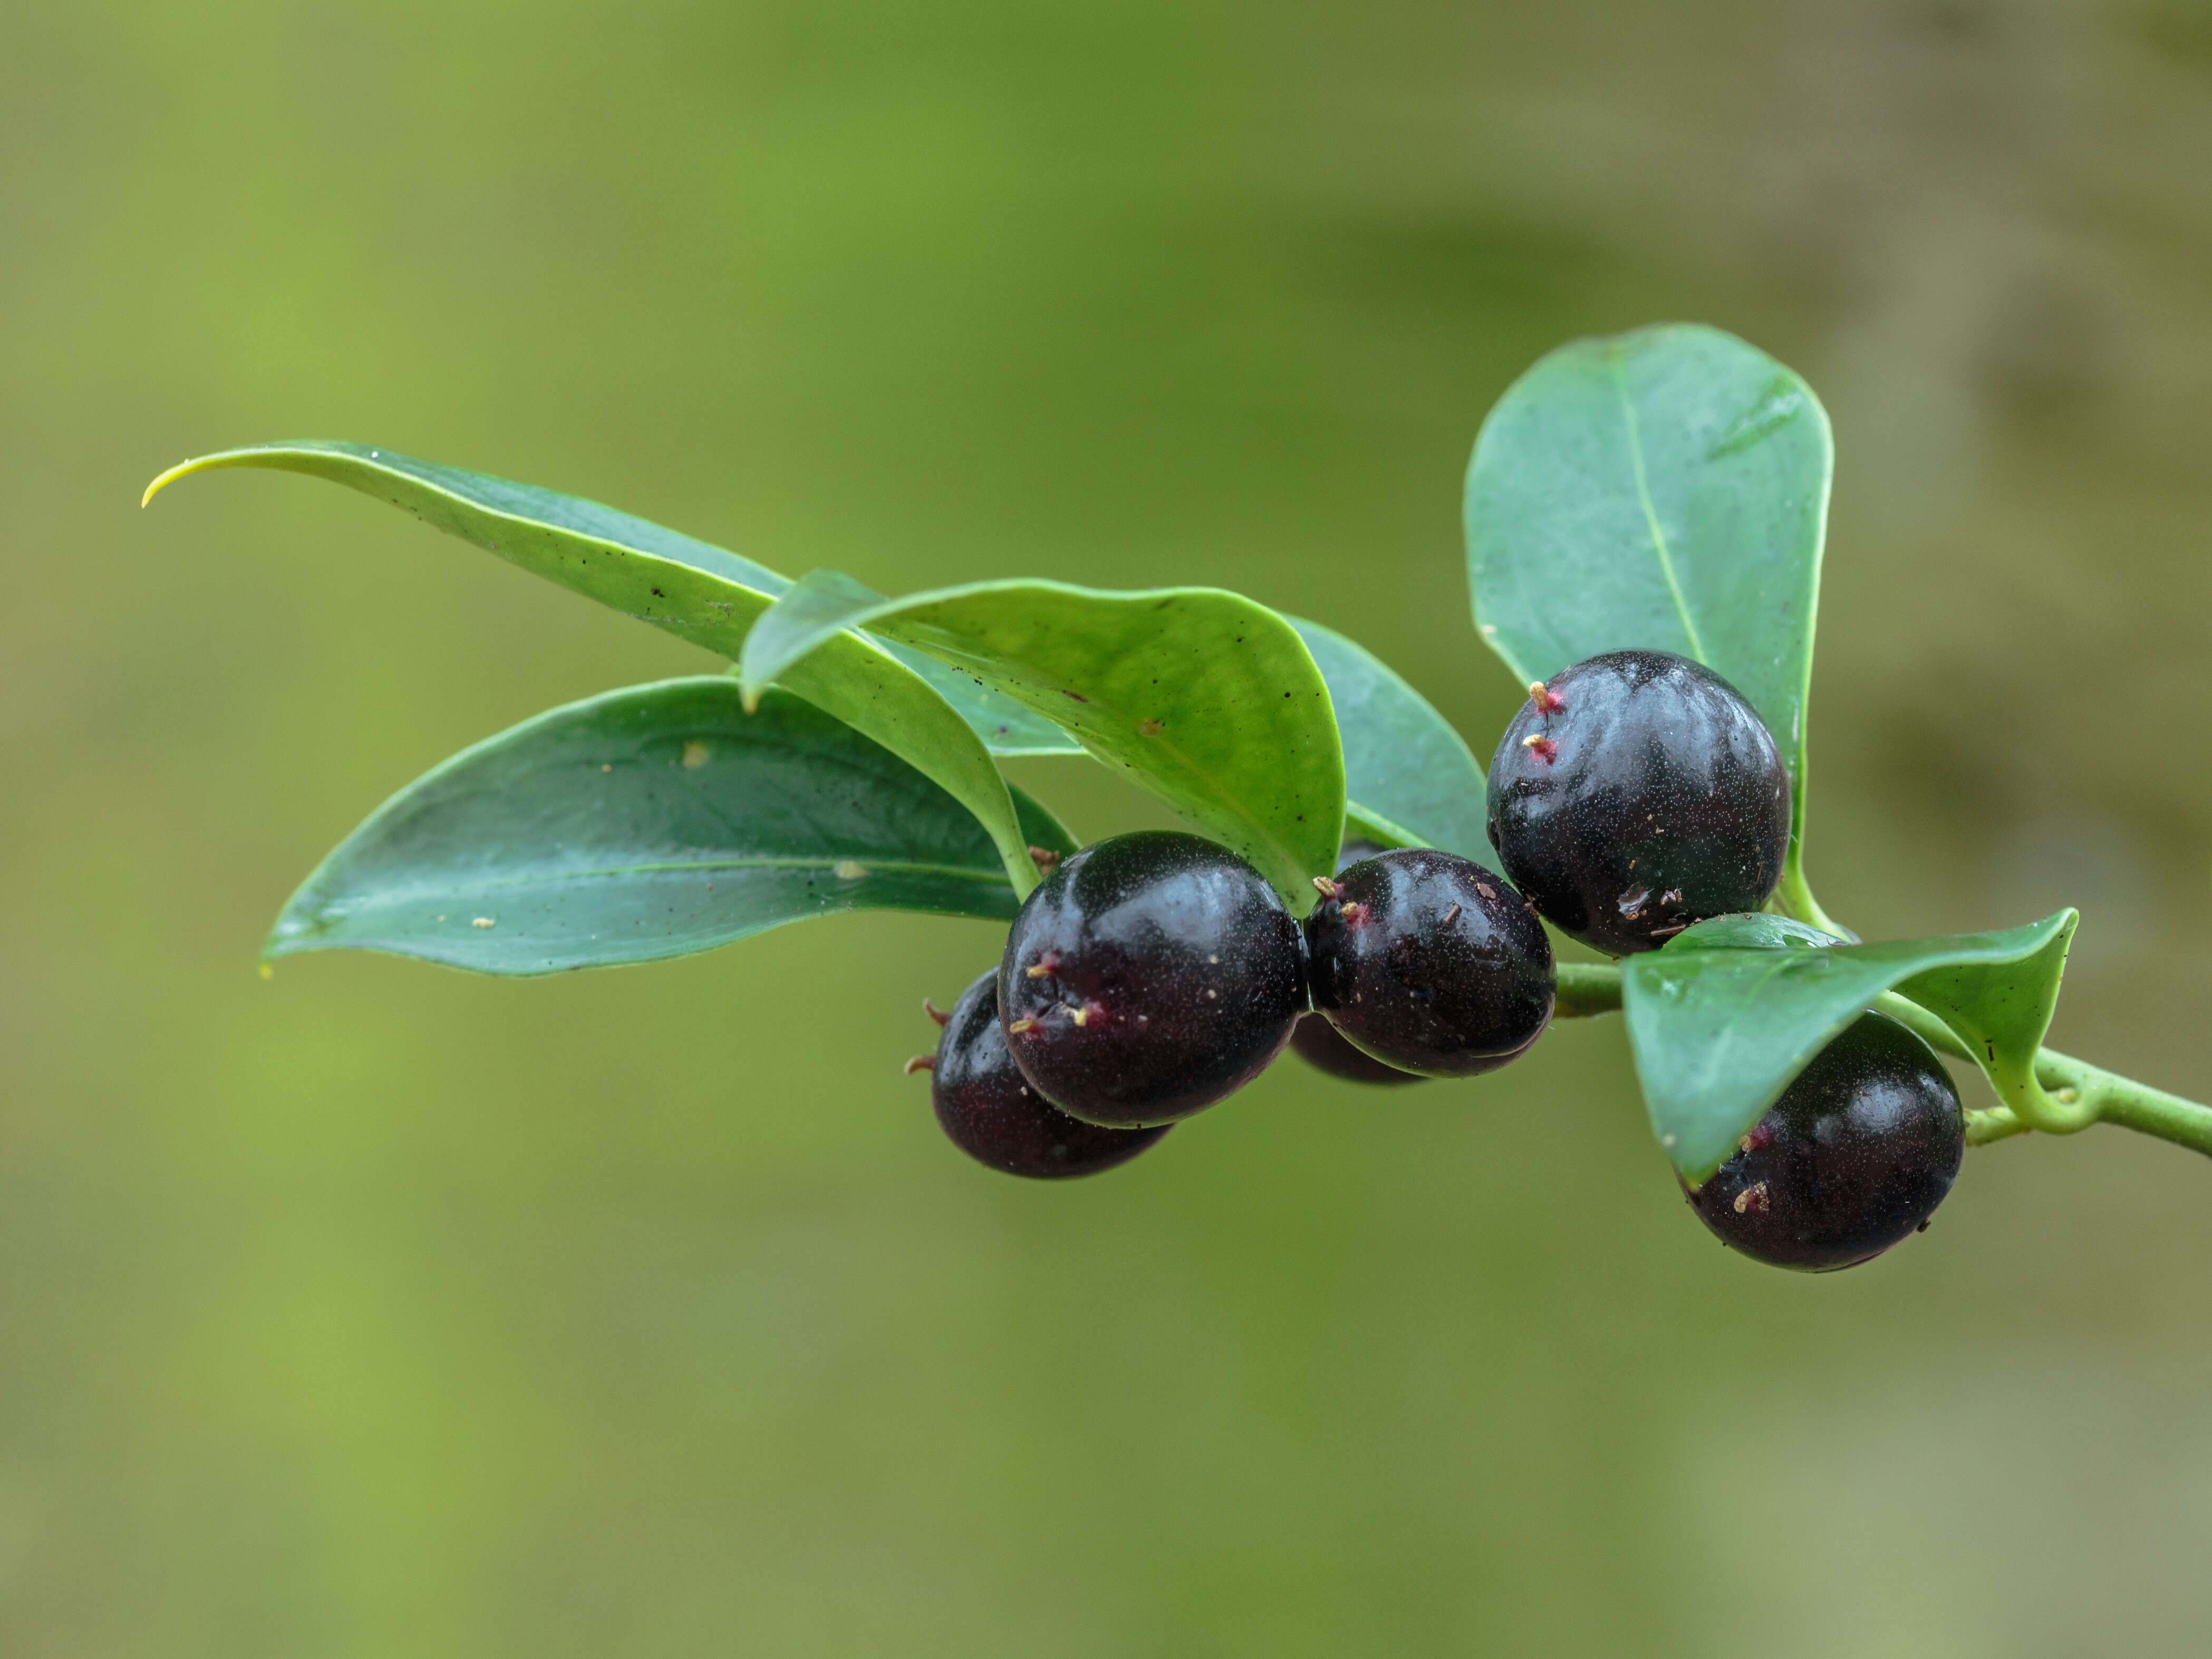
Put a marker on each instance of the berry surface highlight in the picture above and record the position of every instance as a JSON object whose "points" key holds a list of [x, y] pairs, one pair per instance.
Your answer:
{"points": [[1429, 962], [990, 1112], [1853, 1158], [1638, 794], [1172, 975]]}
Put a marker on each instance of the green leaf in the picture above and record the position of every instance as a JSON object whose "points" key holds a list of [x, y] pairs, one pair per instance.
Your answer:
{"points": [[1666, 489], [652, 822], [1722, 1019], [1206, 698], [696, 592], [1759, 930], [1005, 725], [1409, 779]]}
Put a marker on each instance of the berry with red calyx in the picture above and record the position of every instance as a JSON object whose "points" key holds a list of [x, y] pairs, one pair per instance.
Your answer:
{"points": [[1427, 962], [1148, 976], [988, 1110], [1853, 1158], [1635, 794]]}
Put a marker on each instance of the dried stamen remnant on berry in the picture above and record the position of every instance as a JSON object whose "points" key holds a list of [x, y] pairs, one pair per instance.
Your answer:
{"points": [[990, 1112], [919, 1063], [1670, 783], [1135, 932], [1547, 701], [1855, 1156], [1423, 966]]}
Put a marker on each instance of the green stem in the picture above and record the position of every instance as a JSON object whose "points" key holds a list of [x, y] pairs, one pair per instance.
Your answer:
{"points": [[1795, 895], [1991, 1123], [2108, 1097], [1589, 988]]}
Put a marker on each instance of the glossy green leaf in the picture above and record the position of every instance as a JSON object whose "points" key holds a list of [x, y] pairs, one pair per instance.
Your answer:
{"points": [[1005, 727], [652, 822], [1206, 698], [1666, 489], [1733, 1009], [1409, 779], [695, 591], [1759, 930]]}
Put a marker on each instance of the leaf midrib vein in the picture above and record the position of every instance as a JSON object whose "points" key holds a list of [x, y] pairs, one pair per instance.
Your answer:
{"points": [[1650, 512], [1215, 789], [872, 866]]}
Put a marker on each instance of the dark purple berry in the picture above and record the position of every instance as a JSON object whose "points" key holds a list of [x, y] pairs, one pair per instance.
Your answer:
{"points": [[1319, 1044], [1855, 1156], [992, 1114], [1149, 977], [1636, 794], [1429, 962]]}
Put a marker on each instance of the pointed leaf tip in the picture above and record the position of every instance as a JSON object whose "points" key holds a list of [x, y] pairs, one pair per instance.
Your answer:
{"points": [[696, 591], [164, 481]]}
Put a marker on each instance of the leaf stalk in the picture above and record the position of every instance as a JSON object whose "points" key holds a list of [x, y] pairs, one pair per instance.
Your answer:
{"points": [[2082, 1094], [2071, 1094]]}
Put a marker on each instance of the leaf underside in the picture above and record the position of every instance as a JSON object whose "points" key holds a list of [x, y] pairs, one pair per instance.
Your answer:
{"points": [[648, 823], [1723, 1019], [1206, 698]]}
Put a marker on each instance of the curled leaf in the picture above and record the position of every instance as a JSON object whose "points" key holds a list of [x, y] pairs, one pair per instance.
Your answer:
{"points": [[1724, 1017], [1205, 697]]}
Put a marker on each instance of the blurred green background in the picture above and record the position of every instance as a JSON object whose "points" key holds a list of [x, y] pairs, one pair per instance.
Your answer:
{"points": [[379, 1311]]}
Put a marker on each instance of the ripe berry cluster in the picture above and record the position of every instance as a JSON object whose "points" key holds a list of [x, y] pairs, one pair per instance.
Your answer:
{"points": [[1151, 975]]}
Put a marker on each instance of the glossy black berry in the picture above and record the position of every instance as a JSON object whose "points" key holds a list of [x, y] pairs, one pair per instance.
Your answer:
{"points": [[1856, 1155], [1149, 977], [1321, 1044], [986, 1106], [1429, 962], [1317, 1043], [1636, 794]]}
